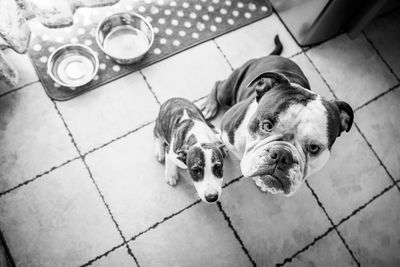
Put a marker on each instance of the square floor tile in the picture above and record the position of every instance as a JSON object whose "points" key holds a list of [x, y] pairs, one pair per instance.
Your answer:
{"points": [[190, 74], [317, 84], [33, 138], [256, 40], [132, 182], [117, 258], [379, 122], [197, 237], [352, 68], [273, 227], [328, 252], [58, 220], [110, 111], [374, 233], [385, 35], [351, 177], [24, 67]]}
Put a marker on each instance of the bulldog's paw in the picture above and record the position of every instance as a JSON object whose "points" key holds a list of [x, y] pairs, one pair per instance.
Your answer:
{"points": [[172, 180], [209, 108]]}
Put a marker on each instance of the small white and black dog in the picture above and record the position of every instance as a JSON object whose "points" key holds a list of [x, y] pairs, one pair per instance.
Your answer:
{"points": [[184, 139]]}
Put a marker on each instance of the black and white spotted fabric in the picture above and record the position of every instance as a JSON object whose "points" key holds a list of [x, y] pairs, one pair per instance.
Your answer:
{"points": [[177, 24]]}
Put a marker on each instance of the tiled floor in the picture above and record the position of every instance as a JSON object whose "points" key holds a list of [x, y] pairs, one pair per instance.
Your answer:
{"points": [[79, 185]]}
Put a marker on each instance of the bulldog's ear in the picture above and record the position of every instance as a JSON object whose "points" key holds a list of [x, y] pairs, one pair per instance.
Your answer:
{"points": [[265, 81], [346, 116], [222, 148]]}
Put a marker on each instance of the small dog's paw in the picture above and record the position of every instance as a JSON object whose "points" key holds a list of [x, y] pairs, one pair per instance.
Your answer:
{"points": [[172, 180]]}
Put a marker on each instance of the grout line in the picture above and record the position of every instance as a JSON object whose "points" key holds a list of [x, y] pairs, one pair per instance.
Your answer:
{"points": [[94, 182], [66, 127], [376, 155], [355, 124], [380, 56], [284, 25], [150, 87], [316, 239], [88, 263], [117, 138], [129, 250], [143, 232], [332, 224], [108, 208], [37, 177], [296, 54], [228, 220], [304, 47], [18, 88], [9, 257], [68, 161], [360, 208], [237, 179], [155, 225], [223, 54], [377, 97], [322, 77]]}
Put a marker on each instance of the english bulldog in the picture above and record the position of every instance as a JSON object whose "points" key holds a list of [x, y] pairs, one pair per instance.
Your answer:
{"points": [[184, 139], [281, 131]]}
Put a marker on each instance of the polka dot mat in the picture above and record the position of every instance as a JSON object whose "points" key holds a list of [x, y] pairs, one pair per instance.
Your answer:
{"points": [[177, 24]]}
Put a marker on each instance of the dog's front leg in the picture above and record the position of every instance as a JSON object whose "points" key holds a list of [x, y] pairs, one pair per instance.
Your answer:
{"points": [[171, 171], [159, 149]]}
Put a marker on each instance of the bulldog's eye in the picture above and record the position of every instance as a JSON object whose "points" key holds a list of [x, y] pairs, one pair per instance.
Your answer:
{"points": [[267, 126], [313, 148]]}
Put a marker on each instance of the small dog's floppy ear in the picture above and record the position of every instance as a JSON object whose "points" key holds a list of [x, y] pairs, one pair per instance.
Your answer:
{"points": [[346, 115], [265, 81], [222, 148], [181, 155]]}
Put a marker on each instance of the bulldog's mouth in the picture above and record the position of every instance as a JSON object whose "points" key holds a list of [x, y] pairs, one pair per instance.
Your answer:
{"points": [[271, 183]]}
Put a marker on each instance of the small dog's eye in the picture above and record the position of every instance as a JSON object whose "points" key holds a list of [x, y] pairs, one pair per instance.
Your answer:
{"points": [[267, 126], [313, 148], [196, 171], [217, 170]]}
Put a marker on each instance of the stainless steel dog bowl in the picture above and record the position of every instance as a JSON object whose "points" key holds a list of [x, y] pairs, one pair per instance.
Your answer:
{"points": [[72, 65], [125, 37]]}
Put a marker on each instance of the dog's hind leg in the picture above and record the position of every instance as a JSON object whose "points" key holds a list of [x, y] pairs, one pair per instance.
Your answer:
{"points": [[210, 107], [159, 149]]}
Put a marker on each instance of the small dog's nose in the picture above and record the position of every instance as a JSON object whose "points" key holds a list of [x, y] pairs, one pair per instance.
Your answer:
{"points": [[282, 157], [212, 197]]}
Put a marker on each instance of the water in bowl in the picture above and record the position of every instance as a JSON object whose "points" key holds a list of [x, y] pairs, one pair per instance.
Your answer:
{"points": [[126, 42]]}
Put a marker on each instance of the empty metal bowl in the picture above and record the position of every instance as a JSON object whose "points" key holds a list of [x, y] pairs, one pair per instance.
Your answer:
{"points": [[125, 37], [72, 65]]}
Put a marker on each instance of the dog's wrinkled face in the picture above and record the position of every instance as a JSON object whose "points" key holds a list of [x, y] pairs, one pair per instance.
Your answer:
{"points": [[205, 164], [290, 135]]}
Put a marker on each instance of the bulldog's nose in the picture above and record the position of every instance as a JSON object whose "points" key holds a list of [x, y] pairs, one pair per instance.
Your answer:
{"points": [[212, 197], [282, 157]]}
